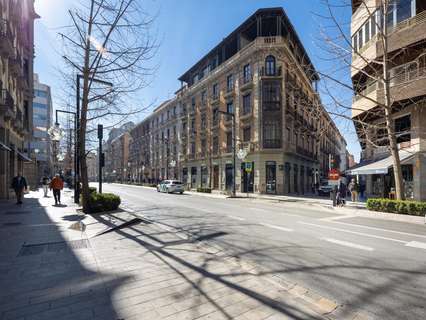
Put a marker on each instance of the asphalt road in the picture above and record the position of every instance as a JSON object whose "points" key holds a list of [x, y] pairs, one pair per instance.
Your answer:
{"points": [[374, 266]]}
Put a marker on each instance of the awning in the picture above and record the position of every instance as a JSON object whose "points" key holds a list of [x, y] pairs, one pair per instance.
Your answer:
{"points": [[23, 156], [4, 147], [380, 166]]}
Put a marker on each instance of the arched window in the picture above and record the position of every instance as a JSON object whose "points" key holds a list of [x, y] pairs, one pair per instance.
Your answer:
{"points": [[270, 65]]}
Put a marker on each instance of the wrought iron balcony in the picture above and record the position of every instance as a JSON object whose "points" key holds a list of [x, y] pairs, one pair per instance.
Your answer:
{"points": [[6, 38], [6, 103], [275, 72]]}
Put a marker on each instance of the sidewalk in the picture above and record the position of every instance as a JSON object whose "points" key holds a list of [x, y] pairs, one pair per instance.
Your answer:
{"points": [[49, 271], [350, 209]]}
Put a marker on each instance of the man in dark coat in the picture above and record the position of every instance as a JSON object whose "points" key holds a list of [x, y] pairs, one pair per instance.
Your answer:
{"points": [[19, 184]]}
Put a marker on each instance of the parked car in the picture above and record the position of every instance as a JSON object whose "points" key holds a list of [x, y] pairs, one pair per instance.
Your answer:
{"points": [[325, 189], [170, 186]]}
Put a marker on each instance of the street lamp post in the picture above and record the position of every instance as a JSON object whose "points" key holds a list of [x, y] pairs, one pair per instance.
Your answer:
{"points": [[231, 114], [76, 182]]}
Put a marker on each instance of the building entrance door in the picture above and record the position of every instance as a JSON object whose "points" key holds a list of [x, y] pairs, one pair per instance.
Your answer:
{"points": [[216, 177], [228, 176], [247, 176], [193, 176], [271, 177]]}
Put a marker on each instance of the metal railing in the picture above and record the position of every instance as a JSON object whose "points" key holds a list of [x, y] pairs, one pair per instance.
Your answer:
{"points": [[402, 77]]}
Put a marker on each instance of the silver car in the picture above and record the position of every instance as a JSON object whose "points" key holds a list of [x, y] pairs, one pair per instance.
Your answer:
{"points": [[170, 186]]}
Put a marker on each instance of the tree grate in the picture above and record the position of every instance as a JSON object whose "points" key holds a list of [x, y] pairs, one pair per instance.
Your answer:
{"points": [[52, 247]]}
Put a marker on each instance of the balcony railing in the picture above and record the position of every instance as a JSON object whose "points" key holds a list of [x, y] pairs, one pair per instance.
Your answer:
{"points": [[246, 79], [271, 143], [264, 72], [405, 75], [6, 102]]}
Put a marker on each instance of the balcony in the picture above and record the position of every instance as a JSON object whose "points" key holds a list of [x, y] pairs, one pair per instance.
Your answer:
{"points": [[305, 153], [214, 99], [274, 73], [230, 91], [15, 63], [271, 143], [6, 104], [406, 82], [6, 38], [246, 81]]}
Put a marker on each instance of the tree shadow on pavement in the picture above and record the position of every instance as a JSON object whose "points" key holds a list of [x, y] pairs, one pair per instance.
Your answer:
{"points": [[52, 280], [179, 261]]}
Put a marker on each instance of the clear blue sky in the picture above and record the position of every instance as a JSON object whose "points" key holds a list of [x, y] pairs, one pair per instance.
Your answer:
{"points": [[187, 29]]}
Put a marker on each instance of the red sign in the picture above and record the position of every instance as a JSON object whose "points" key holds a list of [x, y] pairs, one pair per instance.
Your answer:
{"points": [[333, 174]]}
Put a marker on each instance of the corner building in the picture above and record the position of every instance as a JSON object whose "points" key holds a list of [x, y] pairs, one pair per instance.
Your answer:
{"points": [[262, 74]]}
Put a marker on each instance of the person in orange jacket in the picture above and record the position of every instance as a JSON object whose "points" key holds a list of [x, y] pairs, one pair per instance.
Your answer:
{"points": [[57, 185]]}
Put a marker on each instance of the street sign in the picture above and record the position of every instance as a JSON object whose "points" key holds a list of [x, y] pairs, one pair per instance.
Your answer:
{"points": [[333, 174]]}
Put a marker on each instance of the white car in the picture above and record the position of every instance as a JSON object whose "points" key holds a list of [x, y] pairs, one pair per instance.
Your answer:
{"points": [[170, 186]]}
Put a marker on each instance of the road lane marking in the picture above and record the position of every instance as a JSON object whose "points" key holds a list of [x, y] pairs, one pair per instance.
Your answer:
{"points": [[352, 232], [236, 218], [337, 218], [380, 229], [276, 227], [348, 244], [416, 244]]}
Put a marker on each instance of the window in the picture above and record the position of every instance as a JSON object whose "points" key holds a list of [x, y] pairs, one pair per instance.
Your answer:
{"points": [[40, 106], [193, 148], [215, 91], [229, 142], [271, 134], [230, 107], [355, 42], [168, 114], [40, 93], [215, 145], [271, 95], [203, 96], [270, 65], [215, 117], [360, 37], [367, 31], [203, 146], [247, 104], [230, 82], [246, 134], [203, 121], [403, 128], [246, 73]]}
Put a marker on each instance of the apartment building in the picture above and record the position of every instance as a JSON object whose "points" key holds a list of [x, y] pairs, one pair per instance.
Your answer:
{"points": [[42, 121], [260, 74], [406, 34], [16, 87]]}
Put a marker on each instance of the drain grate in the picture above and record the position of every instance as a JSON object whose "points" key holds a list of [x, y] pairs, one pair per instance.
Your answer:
{"points": [[17, 212], [52, 247]]}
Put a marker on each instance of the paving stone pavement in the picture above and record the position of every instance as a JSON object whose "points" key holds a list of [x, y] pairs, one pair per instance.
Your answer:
{"points": [[49, 271]]}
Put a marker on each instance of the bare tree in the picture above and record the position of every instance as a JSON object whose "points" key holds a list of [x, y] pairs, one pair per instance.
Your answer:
{"points": [[374, 73], [108, 41]]}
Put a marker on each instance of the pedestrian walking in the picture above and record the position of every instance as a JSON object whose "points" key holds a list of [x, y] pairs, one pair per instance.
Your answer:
{"points": [[341, 194], [57, 185], [45, 182], [353, 189], [19, 184]]}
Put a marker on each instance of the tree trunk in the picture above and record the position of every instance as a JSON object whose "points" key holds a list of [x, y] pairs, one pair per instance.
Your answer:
{"points": [[399, 187], [83, 117]]}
